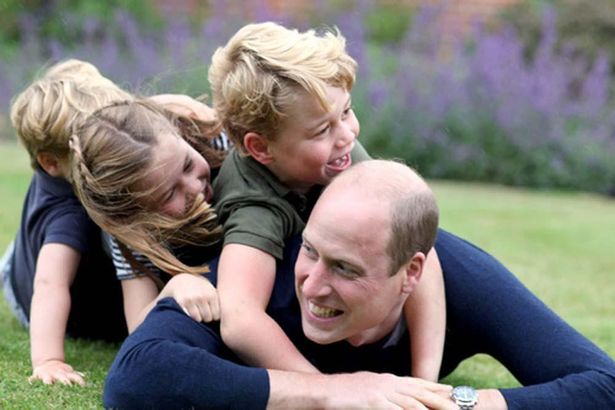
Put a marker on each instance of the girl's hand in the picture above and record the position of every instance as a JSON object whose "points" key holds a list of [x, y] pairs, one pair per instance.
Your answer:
{"points": [[54, 370], [186, 106], [196, 295]]}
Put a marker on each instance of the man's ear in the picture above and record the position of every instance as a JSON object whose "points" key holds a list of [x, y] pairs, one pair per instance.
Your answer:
{"points": [[412, 272], [258, 147], [50, 163]]}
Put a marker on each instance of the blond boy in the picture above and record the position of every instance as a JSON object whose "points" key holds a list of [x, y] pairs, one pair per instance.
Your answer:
{"points": [[58, 279], [284, 99]]}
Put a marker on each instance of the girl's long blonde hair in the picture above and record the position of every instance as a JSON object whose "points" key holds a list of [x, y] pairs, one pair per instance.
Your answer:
{"points": [[112, 152]]}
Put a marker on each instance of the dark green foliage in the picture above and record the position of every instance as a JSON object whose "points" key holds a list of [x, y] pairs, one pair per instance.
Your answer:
{"points": [[388, 24], [588, 26]]}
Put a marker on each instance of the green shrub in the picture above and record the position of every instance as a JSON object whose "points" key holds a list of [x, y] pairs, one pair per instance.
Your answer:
{"points": [[586, 26]]}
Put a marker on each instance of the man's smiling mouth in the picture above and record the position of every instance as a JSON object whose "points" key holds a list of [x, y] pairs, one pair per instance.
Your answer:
{"points": [[323, 312]]}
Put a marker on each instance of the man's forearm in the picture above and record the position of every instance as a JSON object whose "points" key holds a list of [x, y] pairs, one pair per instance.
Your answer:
{"points": [[355, 390]]}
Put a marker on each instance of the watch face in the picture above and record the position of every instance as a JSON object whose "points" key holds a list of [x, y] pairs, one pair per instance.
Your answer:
{"points": [[464, 393], [465, 397]]}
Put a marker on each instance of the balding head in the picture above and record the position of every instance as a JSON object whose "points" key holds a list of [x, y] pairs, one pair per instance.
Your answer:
{"points": [[404, 199]]}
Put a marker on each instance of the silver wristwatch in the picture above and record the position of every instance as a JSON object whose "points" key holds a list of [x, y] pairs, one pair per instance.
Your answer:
{"points": [[465, 397]]}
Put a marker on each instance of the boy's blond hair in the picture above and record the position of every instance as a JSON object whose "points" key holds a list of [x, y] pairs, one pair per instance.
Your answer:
{"points": [[72, 68], [45, 114], [112, 155], [254, 78]]}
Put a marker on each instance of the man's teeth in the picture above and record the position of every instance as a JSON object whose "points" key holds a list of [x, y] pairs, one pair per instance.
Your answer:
{"points": [[322, 311]]}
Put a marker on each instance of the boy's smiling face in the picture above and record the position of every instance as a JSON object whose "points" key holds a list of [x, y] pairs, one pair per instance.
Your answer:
{"points": [[314, 145]]}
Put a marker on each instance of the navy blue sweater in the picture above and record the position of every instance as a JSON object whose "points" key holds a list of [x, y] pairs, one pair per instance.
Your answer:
{"points": [[171, 361]]}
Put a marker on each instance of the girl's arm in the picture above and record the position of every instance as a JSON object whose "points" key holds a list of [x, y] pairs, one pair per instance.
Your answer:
{"points": [[425, 313], [139, 296], [185, 105], [245, 282], [195, 294], [56, 268]]}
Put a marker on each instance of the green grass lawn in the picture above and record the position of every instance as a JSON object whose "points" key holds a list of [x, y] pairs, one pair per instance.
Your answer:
{"points": [[559, 244]]}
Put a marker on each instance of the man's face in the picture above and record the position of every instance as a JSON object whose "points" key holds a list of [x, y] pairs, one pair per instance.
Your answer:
{"points": [[342, 272]]}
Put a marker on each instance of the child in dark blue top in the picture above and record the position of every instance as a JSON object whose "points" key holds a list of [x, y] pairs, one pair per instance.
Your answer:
{"points": [[58, 279]]}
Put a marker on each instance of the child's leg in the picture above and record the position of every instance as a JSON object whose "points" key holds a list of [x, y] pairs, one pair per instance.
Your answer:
{"points": [[425, 312], [5, 268]]}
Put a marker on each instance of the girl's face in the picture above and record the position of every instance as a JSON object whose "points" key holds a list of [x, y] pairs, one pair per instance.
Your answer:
{"points": [[177, 175]]}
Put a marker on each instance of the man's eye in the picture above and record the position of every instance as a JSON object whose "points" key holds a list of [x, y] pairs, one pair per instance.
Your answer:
{"points": [[345, 271], [307, 249]]}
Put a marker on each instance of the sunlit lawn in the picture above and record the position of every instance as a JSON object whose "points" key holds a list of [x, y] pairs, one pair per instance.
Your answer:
{"points": [[559, 244]]}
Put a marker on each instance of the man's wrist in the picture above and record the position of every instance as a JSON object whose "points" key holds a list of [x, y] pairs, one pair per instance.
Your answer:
{"points": [[491, 399], [293, 389]]}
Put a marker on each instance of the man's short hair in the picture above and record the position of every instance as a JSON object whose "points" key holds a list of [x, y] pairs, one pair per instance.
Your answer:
{"points": [[411, 204]]}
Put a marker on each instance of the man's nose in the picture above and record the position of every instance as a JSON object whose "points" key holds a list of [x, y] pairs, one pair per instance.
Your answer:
{"points": [[316, 281]]}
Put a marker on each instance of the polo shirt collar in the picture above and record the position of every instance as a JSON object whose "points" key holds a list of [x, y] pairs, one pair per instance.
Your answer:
{"points": [[54, 185], [303, 203], [274, 183]]}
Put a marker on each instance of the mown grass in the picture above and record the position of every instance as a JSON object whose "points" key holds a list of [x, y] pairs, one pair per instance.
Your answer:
{"points": [[559, 244]]}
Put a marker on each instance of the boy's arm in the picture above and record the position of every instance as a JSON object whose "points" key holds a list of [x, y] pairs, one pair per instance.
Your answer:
{"points": [[245, 282], [425, 313], [56, 268]]}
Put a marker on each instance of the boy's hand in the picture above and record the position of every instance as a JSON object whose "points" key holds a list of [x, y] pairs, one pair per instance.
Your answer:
{"points": [[54, 370], [196, 295]]}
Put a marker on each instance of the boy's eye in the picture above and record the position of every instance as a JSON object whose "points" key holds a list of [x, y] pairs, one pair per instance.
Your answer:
{"points": [[321, 131], [347, 110]]}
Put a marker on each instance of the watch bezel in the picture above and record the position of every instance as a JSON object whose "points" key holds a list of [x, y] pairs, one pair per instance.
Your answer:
{"points": [[467, 400]]}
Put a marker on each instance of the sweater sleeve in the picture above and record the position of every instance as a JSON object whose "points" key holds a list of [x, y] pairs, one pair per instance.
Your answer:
{"points": [[171, 361], [490, 311]]}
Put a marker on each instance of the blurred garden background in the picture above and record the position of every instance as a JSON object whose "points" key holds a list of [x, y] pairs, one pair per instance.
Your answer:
{"points": [[508, 91], [506, 106]]}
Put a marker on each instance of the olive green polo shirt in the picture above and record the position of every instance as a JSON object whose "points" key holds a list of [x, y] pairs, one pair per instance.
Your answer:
{"points": [[256, 209]]}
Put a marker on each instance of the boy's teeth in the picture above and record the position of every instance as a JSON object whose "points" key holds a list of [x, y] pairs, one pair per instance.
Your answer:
{"points": [[322, 312], [338, 162]]}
